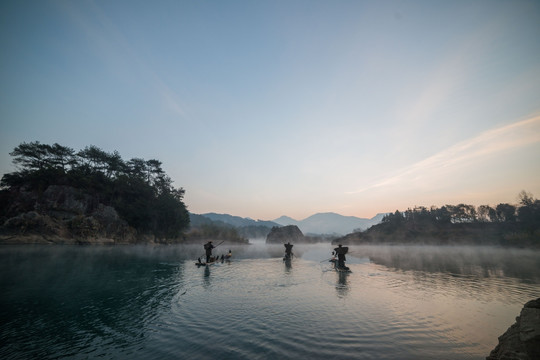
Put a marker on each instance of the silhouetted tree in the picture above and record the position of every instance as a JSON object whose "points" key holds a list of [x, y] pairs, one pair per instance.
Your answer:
{"points": [[443, 215], [508, 224], [526, 198], [139, 190], [95, 159], [486, 213], [62, 157], [506, 212], [32, 156], [115, 165], [528, 214]]}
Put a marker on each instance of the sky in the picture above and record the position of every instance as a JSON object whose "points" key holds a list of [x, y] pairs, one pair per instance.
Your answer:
{"points": [[287, 107]]}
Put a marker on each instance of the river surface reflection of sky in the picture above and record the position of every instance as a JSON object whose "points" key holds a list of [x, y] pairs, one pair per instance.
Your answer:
{"points": [[153, 302]]}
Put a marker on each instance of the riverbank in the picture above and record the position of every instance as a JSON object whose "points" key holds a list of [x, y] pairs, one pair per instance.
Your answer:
{"points": [[445, 234], [522, 340]]}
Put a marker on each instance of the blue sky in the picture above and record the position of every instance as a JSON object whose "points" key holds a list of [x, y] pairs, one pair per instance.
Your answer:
{"points": [[268, 108]]}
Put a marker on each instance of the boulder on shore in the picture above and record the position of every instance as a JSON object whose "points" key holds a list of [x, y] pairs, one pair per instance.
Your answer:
{"points": [[281, 235], [522, 340]]}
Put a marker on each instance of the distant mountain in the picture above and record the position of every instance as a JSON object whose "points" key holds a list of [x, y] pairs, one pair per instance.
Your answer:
{"points": [[322, 223], [238, 221], [285, 220], [246, 227], [330, 223], [378, 218], [196, 220]]}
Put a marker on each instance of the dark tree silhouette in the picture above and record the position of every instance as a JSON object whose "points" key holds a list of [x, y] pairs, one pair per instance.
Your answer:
{"points": [[139, 190]]}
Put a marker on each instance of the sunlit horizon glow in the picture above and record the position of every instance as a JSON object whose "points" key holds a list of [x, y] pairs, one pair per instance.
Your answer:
{"points": [[262, 109], [508, 137]]}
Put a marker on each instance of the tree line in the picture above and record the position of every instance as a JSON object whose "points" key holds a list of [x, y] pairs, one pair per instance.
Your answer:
{"points": [[140, 191], [523, 217]]}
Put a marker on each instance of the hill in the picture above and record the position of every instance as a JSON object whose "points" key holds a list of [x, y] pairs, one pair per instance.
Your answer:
{"points": [[281, 235], [238, 221], [317, 224], [285, 220], [202, 229], [330, 223], [244, 227], [507, 225], [91, 196]]}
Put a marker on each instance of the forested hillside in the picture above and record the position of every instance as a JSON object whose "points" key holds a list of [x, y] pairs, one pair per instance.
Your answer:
{"points": [[89, 193], [505, 224]]}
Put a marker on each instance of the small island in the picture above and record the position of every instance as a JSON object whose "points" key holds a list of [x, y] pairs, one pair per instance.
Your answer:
{"points": [[284, 234], [60, 196]]}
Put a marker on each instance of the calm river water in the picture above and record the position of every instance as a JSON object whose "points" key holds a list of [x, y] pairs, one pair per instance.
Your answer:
{"points": [[154, 303]]}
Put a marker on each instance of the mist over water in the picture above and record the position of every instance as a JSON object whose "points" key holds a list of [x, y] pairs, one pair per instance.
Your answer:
{"points": [[145, 302], [481, 261]]}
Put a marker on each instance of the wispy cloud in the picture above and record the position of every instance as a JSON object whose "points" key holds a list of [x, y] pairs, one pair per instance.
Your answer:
{"points": [[453, 73], [488, 143], [116, 51]]}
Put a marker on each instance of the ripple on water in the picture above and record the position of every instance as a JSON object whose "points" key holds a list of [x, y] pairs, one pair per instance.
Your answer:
{"points": [[140, 307]]}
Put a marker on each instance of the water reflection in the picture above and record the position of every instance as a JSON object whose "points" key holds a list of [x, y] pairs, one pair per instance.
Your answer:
{"points": [[139, 303], [342, 286], [60, 301], [206, 276], [478, 261], [478, 273], [288, 265]]}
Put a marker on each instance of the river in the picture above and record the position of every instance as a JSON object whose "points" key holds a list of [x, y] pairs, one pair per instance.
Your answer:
{"points": [[152, 302]]}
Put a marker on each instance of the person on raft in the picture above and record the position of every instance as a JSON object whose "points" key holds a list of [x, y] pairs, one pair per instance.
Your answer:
{"points": [[208, 248], [340, 251], [288, 250]]}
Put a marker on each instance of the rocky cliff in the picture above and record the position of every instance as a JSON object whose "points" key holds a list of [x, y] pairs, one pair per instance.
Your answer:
{"points": [[64, 215], [522, 340], [281, 235]]}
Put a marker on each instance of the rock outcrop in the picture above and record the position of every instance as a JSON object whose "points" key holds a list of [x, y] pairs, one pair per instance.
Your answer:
{"points": [[522, 340], [281, 235], [65, 215]]}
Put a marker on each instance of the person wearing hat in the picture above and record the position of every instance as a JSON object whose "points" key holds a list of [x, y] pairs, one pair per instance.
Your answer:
{"points": [[208, 248], [340, 252], [288, 250]]}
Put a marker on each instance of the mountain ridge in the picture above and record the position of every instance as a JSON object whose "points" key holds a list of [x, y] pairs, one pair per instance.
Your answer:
{"points": [[238, 221], [330, 223], [319, 223]]}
